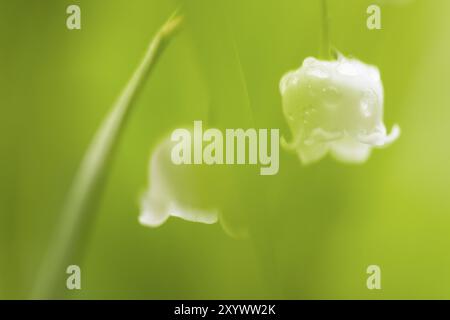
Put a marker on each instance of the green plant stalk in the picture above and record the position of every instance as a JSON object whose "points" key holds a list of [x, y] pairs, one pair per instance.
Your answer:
{"points": [[325, 50], [83, 199]]}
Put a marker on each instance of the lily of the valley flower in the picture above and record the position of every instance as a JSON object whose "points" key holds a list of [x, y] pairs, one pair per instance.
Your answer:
{"points": [[197, 193], [177, 191], [335, 107]]}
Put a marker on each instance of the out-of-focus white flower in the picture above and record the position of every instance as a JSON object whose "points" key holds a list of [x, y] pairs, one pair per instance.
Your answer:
{"points": [[336, 107], [198, 193], [176, 190]]}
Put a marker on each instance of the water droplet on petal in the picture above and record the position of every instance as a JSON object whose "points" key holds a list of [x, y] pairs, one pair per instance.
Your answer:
{"points": [[318, 73]]}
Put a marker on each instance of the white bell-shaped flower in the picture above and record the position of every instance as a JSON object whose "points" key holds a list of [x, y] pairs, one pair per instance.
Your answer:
{"points": [[181, 191], [197, 193], [337, 107]]}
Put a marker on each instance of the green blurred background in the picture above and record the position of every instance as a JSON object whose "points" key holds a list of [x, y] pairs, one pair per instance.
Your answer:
{"points": [[314, 230]]}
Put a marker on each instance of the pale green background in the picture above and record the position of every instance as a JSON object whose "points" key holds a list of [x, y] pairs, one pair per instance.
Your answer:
{"points": [[314, 229]]}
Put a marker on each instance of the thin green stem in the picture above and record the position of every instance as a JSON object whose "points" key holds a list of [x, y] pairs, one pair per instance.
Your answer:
{"points": [[325, 51], [80, 209]]}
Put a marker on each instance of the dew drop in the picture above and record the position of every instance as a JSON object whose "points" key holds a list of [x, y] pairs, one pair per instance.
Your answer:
{"points": [[367, 104], [318, 73]]}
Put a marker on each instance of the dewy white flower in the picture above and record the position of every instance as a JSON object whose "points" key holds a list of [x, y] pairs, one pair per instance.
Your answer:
{"points": [[335, 107], [177, 191]]}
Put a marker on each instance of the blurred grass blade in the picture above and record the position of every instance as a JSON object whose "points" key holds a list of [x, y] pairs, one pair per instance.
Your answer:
{"points": [[79, 211]]}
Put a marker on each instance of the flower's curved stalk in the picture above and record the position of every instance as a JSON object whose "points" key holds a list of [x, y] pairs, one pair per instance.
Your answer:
{"points": [[325, 50], [80, 208]]}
